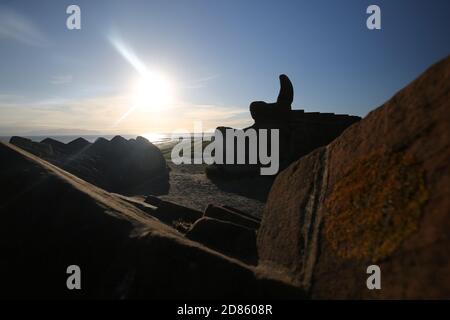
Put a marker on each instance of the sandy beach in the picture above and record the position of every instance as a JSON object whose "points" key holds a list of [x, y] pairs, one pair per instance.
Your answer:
{"points": [[190, 187]]}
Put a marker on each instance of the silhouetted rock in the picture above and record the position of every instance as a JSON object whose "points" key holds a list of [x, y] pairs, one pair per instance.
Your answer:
{"points": [[242, 213], [153, 200], [232, 239], [119, 165], [279, 111], [57, 146], [299, 132], [378, 194], [172, 213], [51, 220], [77, 145], [41, 150]]}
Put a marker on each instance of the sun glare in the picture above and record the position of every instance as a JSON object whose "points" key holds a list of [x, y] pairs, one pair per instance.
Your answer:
{"points": [[155, 137], [152, 92]]}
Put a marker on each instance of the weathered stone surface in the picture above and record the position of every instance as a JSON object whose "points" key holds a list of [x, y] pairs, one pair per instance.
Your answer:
{"points": [[51, 219], [287, 238], [153, 200], [245, 214], [228, 214], [229, 238], [172, 213], [378, 194]]}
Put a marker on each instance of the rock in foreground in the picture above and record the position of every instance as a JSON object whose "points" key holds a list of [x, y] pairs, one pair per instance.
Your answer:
{"points": [[232, 239], [51, 219], [378, 194]]}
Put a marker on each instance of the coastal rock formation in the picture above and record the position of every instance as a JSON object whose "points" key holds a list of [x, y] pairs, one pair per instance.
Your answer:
{"points": [[300, 132], [279, 111], [39, 149], [174, 214], [378, 194], [231, 215], [132, 166], [221, 228], [51, 219], [227, 237]]}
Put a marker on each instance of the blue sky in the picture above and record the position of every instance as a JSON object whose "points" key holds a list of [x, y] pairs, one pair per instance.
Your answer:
{"points": [[219, 56]]}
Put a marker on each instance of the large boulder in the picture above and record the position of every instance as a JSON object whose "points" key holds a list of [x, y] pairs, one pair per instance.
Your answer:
{"points": [[299, 133], [178, 216], [77, 145], [230, 238], [378, 194], [50, 220], [39, 149], [231, 215], [56, 146], [133, 166], [264, 112], [123, 166]]}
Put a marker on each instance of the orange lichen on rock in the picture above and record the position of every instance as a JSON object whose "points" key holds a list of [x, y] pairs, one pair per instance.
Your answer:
{"points": [[376, 206]]}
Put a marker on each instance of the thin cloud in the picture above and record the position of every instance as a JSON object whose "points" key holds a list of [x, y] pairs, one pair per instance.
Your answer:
{"points": [[101, 113], [9, 98], [61, 79], [200, 83], [19, 28], [213, 116], [83, 113]]}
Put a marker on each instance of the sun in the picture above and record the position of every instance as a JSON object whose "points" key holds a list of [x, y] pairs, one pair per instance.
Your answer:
{"points": [[152, 92]]}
